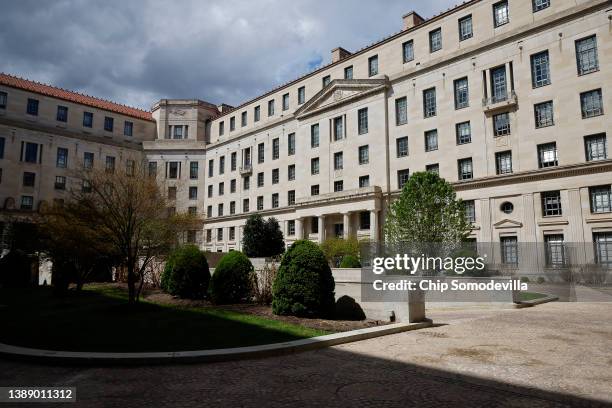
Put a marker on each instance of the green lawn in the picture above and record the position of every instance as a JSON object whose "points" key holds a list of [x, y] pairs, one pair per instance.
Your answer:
{"points": [[524, 296], [99, 320]]}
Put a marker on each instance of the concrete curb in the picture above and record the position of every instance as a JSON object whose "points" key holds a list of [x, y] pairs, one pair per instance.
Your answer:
{"points": [[177, 357], [534, 302]]}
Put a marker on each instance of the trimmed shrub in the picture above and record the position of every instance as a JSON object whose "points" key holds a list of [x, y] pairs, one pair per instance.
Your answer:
{"points": [[186, 273], [350, 261], [231, 282], [304, 285]]}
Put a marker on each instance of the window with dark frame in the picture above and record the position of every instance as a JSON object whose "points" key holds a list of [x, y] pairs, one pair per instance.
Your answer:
{"points": [[338, 128], [314, 165], [429, 102], [503, 162], [373, 65], [501, 124], [108, 123], [431, 140], [338, 186], [543, 113], [547, 155], [540, 69], [364, 181], [501, 15], [465, 28], [596, 147], [465, 169], [469, 206], [364, 154], [462, 97], [362, 121], [509, 250], [551, 203], [401, 111], [591, 103], [87, 119], [32, 107], [62, 114], [555, 250], [435, 40], [402, 146], [402, 177], [586, 55], [538, 5], [338, 161], [314, 135], [601, 199], [408, 51], [290, 144], [291, 172], [348, 72], [463, 133]]}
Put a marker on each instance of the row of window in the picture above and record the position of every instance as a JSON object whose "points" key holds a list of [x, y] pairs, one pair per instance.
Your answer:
{"points": [[557, 254], [596, 148], [61, 115], [32, 153], [586, 54], [600, 198]]}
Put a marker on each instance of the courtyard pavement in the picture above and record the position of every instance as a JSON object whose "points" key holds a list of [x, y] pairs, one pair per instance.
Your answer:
{"points": [[551, 355]]}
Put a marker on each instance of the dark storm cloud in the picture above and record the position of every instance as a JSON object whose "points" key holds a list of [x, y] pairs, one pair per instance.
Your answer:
{"points": [[136, 52]]}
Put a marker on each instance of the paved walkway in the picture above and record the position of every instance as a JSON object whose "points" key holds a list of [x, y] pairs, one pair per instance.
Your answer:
{"points": [[556, 354]]}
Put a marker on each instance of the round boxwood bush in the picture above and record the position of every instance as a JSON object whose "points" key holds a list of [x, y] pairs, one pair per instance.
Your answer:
{"points": [[304, 285], [350, 261], [231, 282], [186, 273]]}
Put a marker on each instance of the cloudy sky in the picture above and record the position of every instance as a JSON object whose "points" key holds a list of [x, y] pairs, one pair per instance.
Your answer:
{"points": [[136, 52]]}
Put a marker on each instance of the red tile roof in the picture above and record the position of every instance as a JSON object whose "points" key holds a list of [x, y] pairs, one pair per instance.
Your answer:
{"points": [[71, 96]]}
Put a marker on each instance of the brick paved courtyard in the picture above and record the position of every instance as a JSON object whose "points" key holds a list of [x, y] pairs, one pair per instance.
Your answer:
{"points": [[556, 354]]}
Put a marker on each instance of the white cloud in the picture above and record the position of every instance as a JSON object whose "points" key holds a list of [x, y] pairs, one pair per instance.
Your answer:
{"points": [[136, 52]]}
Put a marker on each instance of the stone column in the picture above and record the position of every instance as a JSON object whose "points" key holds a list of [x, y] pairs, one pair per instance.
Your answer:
{"points": [[346, 225], [299, 228], [374, 225], [321, 228], [239, 237]]}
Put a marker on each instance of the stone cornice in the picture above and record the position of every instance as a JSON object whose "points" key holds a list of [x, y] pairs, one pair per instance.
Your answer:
{"points": [[571, 170], [268, 212], [349, 195], [344, 196]]}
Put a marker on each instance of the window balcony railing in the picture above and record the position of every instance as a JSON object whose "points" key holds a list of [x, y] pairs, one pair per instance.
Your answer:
{"points": [[495, 102], [246, 170]]}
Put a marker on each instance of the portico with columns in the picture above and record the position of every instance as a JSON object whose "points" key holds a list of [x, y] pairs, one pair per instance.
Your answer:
{"points": [[351, 214]]}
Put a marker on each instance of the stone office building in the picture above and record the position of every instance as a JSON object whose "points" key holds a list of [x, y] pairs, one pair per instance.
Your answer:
{"points": [[506, 99]]}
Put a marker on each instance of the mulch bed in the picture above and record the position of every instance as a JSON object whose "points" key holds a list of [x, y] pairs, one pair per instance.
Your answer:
{"points": [[156, 295]]}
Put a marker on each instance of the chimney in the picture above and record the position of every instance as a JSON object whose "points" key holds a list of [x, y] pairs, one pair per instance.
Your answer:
{"points": [[411, 19], [339, 54]]}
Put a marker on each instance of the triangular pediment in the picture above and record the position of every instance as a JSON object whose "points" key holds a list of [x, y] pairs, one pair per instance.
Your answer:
{"points": [[508, 224], [339, 92]]}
